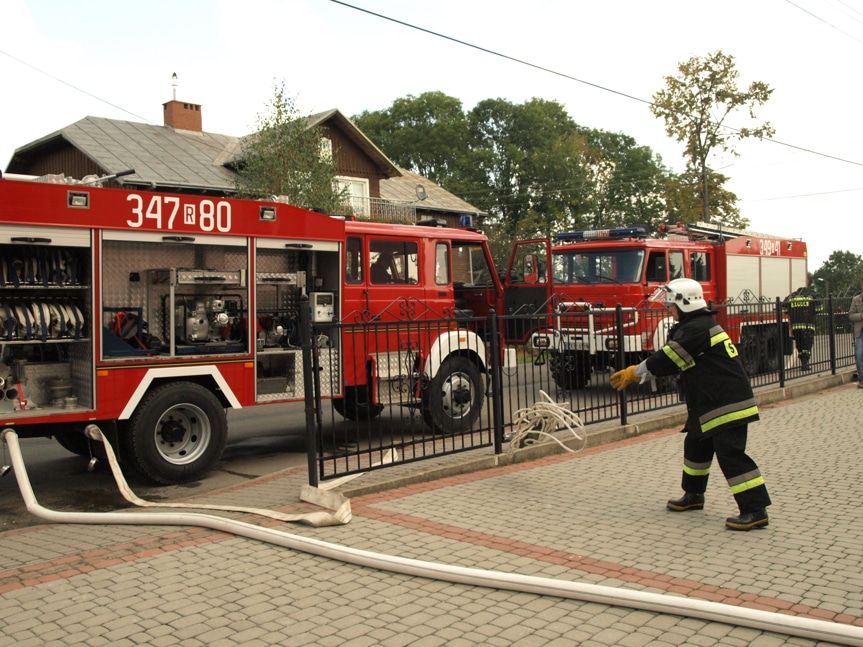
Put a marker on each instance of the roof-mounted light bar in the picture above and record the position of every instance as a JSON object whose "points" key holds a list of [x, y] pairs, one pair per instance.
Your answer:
{"points": [[634, 231]]}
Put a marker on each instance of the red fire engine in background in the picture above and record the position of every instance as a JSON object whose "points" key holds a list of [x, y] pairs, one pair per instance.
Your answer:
{"points": [[580, 280], [132, 310]]}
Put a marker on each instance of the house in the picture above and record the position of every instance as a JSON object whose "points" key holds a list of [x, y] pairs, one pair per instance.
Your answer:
{"points": [[180, 157]]}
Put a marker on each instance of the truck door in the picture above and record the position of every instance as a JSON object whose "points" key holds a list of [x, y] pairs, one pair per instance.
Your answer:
{"points": [[527, 285], [474, 284]]}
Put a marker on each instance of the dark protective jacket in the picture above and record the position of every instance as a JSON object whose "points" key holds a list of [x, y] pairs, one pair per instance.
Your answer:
{"points": [[802, 309], [717, 390]]}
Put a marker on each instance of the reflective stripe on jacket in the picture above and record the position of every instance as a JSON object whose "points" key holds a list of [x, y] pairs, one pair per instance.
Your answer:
{"points": [[717, 390]]}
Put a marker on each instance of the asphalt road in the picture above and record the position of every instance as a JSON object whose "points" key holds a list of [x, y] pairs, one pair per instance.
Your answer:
{"points": [[261, 441]]}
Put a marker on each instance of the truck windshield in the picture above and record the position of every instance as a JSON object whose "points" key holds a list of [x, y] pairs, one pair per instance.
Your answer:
{"points": [[598, 266]]}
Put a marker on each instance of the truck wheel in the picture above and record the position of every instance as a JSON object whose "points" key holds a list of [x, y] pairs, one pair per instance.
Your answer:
{"points": [[772, 356], [74, 442], [570, 372], [177, 433], [453, 400], [749, 351], [356, 405]]}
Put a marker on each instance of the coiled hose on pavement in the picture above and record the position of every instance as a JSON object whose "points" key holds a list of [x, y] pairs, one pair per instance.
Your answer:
{"points": [[681, 606]]}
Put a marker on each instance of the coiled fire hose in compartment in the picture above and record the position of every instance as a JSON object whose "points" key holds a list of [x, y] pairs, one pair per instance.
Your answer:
{"points": [[658, 603]]}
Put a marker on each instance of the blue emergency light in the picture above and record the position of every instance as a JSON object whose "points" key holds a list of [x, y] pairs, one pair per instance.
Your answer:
{"points": [[634, 231], [466, 221]]}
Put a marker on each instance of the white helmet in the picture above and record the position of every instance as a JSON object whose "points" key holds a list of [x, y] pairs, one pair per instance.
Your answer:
{"points": [[686, 294]]}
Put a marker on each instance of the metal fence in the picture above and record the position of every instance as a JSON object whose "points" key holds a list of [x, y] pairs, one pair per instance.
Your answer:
{"points": [[398, 415]]}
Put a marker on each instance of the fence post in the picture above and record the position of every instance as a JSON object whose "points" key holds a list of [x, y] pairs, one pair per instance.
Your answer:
{"points": [[621, 360], [831, 326], [305, 334], [496, 367], [782, 339]]}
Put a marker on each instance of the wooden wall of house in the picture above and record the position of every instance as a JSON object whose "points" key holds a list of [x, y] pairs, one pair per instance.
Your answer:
{"points": [[63, 158], [351, 161]]}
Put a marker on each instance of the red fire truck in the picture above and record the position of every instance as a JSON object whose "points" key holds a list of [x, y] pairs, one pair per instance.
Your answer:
{"points": [[581, 279], [151, 314]]}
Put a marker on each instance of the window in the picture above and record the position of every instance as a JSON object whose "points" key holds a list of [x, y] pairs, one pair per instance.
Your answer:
{"points": [[326, 149], [441, 264], [354, 260], [469, 265], [604, 266], [656, 268], [357, 199], [699, 265], [676, 265], [393, 261]]}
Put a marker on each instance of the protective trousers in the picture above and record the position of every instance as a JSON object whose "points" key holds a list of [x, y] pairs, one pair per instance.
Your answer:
{"points": [[740, 471], [803, 339]]}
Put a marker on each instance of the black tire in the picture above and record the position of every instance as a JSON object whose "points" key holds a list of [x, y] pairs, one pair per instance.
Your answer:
{"points": [[772, 358], [177, 433], [74, 441], [750, 353], [453, 400], [570, 372], [356, 404]]}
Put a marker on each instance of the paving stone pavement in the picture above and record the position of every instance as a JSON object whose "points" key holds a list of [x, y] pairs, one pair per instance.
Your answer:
{"points": [[597, 516]]}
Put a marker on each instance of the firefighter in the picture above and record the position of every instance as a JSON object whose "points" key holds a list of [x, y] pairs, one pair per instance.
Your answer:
{"points": [[801, 308], [719, 400]]}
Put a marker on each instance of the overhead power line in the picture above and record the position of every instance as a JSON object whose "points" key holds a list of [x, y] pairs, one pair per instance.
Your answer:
{"points": [[567, 76], [59, 80]]}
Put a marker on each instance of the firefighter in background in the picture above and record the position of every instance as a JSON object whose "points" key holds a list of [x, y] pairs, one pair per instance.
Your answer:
{"points": [[719, 401], [801, 308]]}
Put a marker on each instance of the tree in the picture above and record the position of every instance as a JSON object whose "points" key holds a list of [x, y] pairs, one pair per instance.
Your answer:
{"points": [[842, 272], [287, 157], [528, 166], [696, 105], [425, 134], [529, 158], [627, 181]]}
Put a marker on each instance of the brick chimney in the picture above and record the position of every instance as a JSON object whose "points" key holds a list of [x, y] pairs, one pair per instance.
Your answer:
{"points": [[182, 116]]}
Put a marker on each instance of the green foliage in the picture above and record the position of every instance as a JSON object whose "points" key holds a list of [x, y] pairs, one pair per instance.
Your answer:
{"points": [[842, 272], [684, 200], [286, 157], [696, 106], [529, 167], [424, 134]]}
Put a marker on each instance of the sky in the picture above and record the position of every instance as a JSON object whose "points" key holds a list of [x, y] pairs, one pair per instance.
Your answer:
{"points": [[61, 61]]}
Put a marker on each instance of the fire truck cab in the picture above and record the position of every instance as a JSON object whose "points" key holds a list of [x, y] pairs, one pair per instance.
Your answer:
{"points": [[583, 278], [151, 314]]}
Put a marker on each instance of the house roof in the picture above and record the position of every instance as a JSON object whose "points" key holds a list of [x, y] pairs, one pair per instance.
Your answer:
{"points": [[404, 189], [165, 158], [160, 155]]}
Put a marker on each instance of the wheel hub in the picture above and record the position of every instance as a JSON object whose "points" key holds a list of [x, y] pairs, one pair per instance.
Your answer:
{"points": [[457, 396]]}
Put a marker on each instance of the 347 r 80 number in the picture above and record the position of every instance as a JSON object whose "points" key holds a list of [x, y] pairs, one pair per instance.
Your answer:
{"points": [[161, 212]]}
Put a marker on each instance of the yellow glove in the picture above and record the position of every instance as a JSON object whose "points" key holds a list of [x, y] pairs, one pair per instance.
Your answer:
{"points": [[624, 378]]}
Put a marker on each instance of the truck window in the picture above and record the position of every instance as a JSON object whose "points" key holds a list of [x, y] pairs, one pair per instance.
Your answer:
{"points": [[699, 266], [441, 264], [529, 264], [354, 260], [657, 268], [393, 261], [469, 265], [612, 266], [676, 265]]}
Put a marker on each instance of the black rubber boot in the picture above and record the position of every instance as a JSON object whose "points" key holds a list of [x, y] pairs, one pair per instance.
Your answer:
{"points": [[748, 520], [689, 501]]}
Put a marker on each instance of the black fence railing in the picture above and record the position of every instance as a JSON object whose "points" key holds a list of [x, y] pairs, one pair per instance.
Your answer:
{"points": [[416, 389]]}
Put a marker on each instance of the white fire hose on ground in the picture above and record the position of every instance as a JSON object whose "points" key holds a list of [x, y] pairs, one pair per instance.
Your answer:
{"points": [[658, 603]]}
